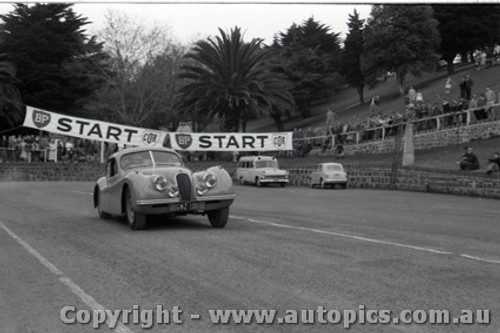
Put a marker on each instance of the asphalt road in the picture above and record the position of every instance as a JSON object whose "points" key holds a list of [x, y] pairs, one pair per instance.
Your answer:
{"points": [[283, 248]]}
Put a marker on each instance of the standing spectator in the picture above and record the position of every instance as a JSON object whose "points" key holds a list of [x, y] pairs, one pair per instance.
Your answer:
{"points": [[331, 120], [447, 86], [472, 108], [490, 100], [482, 60], [468, 87], [480, 111], [374, 104], [469, 161], [463, 88], [412, 95], [419, 98], [4, 144], [22, 148], [52, 156]]}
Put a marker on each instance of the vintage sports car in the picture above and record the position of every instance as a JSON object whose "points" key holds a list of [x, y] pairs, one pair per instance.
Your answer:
{"points": [[143, 181], [329, 174], [261, 170]]}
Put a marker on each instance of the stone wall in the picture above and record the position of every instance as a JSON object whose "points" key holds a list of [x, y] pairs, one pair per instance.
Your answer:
{"points": [[411, 179], [359, 176]]}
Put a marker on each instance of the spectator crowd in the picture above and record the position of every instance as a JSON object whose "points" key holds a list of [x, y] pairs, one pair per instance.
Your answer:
{"points": [[44, 148]]}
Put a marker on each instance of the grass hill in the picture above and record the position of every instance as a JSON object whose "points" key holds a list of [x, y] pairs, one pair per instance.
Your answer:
{"points": [[347, 106]]}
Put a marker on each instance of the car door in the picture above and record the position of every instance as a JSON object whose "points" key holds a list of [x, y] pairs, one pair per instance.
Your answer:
{"points": [[109, 193]]}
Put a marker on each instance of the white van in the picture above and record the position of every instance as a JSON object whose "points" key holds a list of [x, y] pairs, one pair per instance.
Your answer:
{"points": [[260, 170]]}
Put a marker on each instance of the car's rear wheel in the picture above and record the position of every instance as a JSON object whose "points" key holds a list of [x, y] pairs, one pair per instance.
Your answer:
{"points": [[282, 184], [218, 218], [344, 186], [135, 220], [98, 199]]}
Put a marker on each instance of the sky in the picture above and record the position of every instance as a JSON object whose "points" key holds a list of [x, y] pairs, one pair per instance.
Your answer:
{"points": [[189, 22]]}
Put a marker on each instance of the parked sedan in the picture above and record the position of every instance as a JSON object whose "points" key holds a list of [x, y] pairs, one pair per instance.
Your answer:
{"points": [[329, 174], [144, 181]]}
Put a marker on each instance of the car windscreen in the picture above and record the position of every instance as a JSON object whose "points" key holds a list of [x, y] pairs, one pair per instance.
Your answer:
{"points": [[166, 158], [136, 160], [266, 164], [333, 168]]}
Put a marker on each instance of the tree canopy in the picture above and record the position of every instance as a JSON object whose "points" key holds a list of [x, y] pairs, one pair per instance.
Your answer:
{"points": [[400, 38], [310, 54], [466, 28], [51, 53], [352, 54], [227, 79]]}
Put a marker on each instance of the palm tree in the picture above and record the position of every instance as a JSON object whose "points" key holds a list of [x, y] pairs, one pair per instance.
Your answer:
{"points": [[10, 97], [228, 79]]}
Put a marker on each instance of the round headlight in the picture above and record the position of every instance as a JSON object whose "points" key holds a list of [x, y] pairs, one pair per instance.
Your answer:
{"points": [[173, 192], [210, 180], [160, 183], [201, 189]]}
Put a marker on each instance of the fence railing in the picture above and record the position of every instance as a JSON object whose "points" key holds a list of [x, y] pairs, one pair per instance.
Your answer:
{"points": [[379, 133]]}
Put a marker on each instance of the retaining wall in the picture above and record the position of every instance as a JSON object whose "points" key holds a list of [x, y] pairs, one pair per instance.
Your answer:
{"points": [[359, 176]]}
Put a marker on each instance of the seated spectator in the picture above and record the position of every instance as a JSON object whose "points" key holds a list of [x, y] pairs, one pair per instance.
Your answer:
{"points": [[493, 164], [469, 161]]}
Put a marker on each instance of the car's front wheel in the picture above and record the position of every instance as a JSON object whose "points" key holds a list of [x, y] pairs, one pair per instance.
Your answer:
{"points": [[258, 182], [135, 220], [218, 218]]}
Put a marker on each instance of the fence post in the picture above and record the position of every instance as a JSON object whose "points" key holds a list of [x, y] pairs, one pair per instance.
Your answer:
{"points": [[438, 123], [383, 132], [357, 137], [468, 117]]}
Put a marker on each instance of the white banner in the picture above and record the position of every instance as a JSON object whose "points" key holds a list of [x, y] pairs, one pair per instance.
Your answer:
{"points": [[135, 136], [92, 129], [231, 141]]}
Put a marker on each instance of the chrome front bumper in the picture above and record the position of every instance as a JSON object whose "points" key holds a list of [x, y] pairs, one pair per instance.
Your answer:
{"points": [[169, 205]]}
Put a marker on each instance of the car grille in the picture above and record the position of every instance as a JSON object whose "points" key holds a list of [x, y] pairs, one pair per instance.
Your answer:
{"points": [[275, 176], [184, 185]]}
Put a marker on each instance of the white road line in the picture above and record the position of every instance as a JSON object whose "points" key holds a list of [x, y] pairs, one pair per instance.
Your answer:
{"points": [[492, 261], [82, 192], [73, 287], [338, 234], [366, 239]]}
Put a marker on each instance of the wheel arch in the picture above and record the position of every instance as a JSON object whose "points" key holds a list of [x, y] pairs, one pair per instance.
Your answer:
{"points": [[96, 196], [122, 199]]}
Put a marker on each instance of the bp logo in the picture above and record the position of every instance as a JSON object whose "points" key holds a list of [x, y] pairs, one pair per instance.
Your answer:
{"points": [[183, 140], [40, 118], [150, 138], [279, 141]]}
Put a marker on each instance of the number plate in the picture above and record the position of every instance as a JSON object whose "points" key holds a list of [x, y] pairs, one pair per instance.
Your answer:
{"points": [[188, 206]]}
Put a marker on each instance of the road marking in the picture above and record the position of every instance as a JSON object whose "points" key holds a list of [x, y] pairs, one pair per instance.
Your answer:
{"points": [[338, 234], [366, 239], [73, 287], [492, 261], [82, 192]]}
